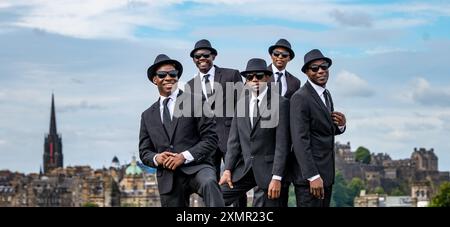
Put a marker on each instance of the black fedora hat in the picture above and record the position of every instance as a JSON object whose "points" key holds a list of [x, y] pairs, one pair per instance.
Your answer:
{"points": [[285, 44], [203, 44], [161, 60], [256, 65], [312, 56]]}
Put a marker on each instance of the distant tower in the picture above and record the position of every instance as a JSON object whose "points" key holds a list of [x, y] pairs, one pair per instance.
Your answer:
{"points": [[115, 163], [53, 156]]}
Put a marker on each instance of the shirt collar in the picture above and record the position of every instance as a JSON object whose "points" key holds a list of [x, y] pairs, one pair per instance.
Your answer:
{"points": [[275, 70], [173, 96], [260, 96], [211, 73], [316, 87]]}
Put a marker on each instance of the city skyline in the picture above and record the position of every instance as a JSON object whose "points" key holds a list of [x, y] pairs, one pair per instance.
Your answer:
{"points": [[389, 72]]}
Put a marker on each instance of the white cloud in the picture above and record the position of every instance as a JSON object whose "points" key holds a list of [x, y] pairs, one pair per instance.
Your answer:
{"points": [[385, 50], [351, 85], [120, 19], [2, 142], [352, 19], [397, 131], [95, 19], [420, 91]]}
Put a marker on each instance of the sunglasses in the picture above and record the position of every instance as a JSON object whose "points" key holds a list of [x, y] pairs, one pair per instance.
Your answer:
{"points": [[323, 66], [163, 74], [283, 54], [259, 76], [198, 56]]}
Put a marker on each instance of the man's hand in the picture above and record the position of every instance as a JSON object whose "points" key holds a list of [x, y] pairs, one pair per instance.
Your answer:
{"points": [[274, 189], [226, 178], [316, 188], [162, 157], [174, 161], [338, 118]]}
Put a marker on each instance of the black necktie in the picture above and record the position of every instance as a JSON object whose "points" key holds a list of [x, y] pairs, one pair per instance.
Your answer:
{"points": [[166, 115], [280, 87], [255, 112], [326, 95], [207, 86]]}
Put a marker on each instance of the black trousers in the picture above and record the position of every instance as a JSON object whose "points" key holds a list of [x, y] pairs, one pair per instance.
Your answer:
{"points": [[306, 199], [241, 187], [218, 156], [204, 183]]}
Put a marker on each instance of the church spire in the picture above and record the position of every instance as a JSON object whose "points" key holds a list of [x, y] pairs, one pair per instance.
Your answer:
{"points": [[53, 118], [53, 156]]}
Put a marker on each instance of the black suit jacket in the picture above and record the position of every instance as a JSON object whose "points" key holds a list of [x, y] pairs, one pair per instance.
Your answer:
{"points": [[222, 76], [293, 83], [312, 131], [195, 134], [264, 150]]}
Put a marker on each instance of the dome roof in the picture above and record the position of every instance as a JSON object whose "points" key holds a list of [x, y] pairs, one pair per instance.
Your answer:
{"points": [[133, 169]]}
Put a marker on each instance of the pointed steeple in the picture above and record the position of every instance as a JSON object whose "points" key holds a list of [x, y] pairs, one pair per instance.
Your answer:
{"points": [[53, 156], [53, 118]]}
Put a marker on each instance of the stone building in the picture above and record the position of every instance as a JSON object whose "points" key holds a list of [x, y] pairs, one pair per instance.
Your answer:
{"points": [[383, 171]]}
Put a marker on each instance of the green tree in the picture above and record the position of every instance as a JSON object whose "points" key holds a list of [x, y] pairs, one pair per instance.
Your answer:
{"points": [[89, 204], [340, 196], [355, 186], [292, 202], [362, 155], [442, 199], [378, 190], [397, 192]]}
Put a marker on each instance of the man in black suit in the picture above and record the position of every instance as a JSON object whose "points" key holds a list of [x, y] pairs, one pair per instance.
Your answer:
{"points": [[176, 142], [314, 123], [281, 54], [210, 82], [257, 145]]}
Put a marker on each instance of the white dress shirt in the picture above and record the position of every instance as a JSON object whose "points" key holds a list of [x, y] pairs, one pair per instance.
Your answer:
{"points": [[282, 79], [171, 106], [253, 100], [211, 73], [320, 90]]}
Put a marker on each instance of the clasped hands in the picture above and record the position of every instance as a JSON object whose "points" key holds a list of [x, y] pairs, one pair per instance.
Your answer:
{"points": [[170, 160]]}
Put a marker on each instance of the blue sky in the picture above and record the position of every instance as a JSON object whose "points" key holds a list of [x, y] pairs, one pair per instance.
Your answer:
{"points": [[390, 71]]}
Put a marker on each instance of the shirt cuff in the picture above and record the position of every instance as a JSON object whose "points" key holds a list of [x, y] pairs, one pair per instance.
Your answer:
{"points": [[314, 177], [154, 160], [341, 128], [276, 177], [188, 156]]}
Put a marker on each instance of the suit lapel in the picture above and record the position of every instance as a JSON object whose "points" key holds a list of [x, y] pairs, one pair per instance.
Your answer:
{"points": [[271, 79], [156, 116], [265, 104], [217, 77], [174, 122], [318, 101], [246, 118], [290, 84]]}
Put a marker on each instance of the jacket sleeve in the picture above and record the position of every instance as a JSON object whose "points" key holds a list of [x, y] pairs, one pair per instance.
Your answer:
{"points": [[283, 139], [233, 146], [300, 116], [146, 147]]}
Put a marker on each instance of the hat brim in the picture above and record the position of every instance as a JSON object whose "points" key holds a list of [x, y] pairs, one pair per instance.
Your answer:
{"points": [[305, 66], [268, 72], [151, 72], [213, 51], [291, 52]]}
